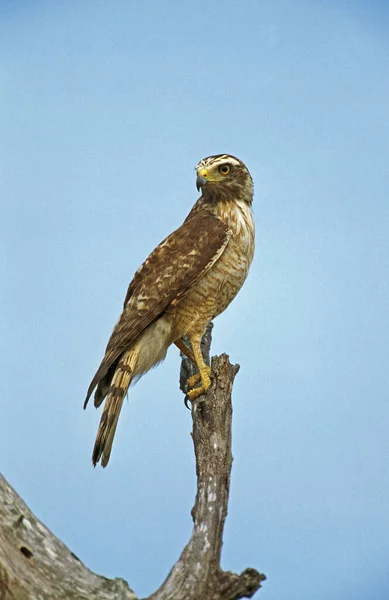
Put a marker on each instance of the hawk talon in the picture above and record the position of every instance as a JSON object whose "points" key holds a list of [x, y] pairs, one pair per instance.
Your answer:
{"points": [[193, 380], [199, 391], [195, 393], [195, 401], [203, 376]]}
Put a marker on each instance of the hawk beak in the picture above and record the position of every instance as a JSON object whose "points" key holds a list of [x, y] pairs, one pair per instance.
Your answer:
{"points": [[201, 179]]}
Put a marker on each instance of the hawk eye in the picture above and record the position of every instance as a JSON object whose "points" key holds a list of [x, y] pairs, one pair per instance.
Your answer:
{"points": [[224, 169]]}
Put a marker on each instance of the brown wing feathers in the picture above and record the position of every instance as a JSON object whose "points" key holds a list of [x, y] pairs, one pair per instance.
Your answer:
{"points": [[170, 270]]}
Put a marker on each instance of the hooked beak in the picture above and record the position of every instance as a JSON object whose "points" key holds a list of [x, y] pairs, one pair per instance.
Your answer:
{"points": [[201, 179], [200, 182]]}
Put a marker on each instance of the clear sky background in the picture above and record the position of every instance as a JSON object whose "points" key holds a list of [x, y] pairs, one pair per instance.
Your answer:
{"points": [[106, 108]]}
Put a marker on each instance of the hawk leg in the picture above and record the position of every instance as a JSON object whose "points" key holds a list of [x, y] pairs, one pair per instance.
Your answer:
{"points": [[185, 350], [197, 358], [204, 371]]}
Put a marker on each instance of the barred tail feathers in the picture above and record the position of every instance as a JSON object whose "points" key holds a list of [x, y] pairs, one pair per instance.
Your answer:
{"points": [[146, 352], [109, 419]]}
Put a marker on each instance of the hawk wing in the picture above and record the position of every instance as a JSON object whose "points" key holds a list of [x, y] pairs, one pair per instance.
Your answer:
{"points": [[165, 276]]}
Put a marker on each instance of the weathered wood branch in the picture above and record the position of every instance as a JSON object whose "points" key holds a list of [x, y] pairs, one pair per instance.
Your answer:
{"points": [[35, 564], [197, 574]]}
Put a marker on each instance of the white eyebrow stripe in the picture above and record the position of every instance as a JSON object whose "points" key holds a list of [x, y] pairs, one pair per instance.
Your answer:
{"points": [[225, 158], [210, 161]]}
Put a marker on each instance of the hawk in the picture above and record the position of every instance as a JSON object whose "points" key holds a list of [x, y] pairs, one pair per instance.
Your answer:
{"points": [[189, 279]]}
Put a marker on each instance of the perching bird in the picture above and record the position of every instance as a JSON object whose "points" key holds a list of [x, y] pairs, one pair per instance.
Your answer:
{"points": [[189, 279]]}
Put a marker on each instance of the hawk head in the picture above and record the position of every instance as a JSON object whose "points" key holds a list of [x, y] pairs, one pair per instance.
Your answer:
{"points": [[224, 177]]}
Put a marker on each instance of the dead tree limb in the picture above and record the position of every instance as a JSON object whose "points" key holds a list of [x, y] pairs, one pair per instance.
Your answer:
{"points": [[197, 574], [35, 564]]}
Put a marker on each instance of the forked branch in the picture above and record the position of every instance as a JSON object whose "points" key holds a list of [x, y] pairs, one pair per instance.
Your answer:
{"points": [[35, 564]]}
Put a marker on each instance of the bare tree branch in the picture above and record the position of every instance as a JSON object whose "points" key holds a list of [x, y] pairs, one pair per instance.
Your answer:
{"points": [[197, 574], [34, 564]]}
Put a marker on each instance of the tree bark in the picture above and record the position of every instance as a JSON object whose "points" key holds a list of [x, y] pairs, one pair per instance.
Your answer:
{"points": [[34, 564], [197, 574]]}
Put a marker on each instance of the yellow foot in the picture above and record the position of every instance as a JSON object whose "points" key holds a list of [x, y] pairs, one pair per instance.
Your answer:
{"points": [[194, 379], [204, 377], [195, 393]]}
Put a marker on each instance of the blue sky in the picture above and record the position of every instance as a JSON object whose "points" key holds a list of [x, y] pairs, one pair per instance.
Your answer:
{"points": [[106, 108]]}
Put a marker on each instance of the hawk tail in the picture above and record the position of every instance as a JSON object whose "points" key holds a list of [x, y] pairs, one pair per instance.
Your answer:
{"points": [[124, 374]]}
